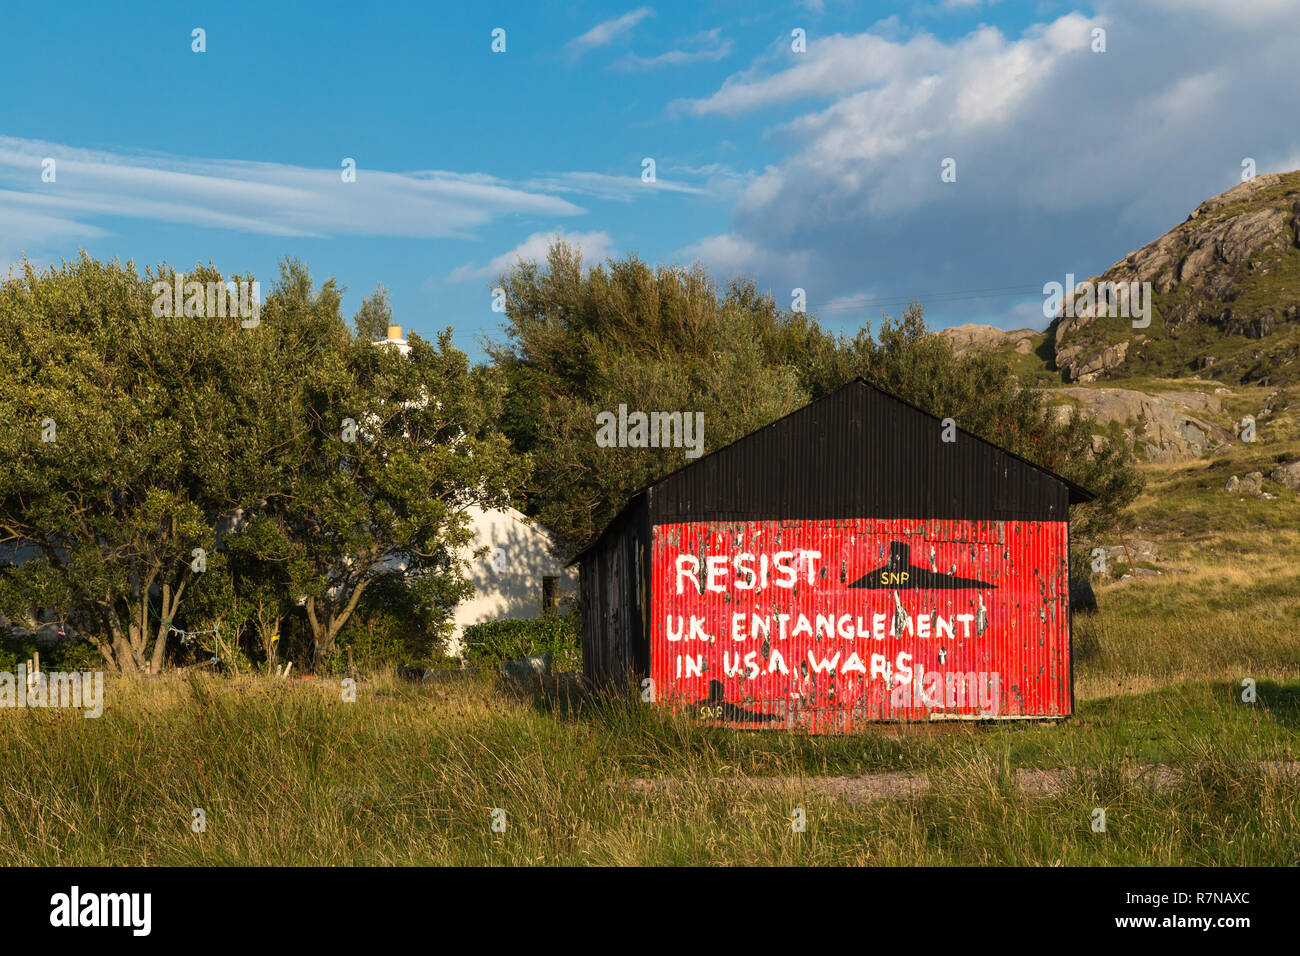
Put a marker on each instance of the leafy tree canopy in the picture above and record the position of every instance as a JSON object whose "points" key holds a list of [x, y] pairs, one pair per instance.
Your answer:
{"points": [[582, 341], [173, 471]]}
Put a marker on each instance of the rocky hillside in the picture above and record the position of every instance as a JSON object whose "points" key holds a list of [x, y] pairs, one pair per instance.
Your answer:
{"points": [[1164, 427], [1223, 342], [1226, 290], [1226, 286]]}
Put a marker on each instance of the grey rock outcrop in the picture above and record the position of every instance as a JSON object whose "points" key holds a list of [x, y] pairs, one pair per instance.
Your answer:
{"points": [[1251, 484], [1091, 367], [1138, 549], [1288, 475], [965, 338], [1161, 425], [1202, 255]]}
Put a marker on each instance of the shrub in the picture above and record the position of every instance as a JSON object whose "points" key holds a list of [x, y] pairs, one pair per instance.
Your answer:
{"points": [[496, 641], [391, 625], [71, 654]]}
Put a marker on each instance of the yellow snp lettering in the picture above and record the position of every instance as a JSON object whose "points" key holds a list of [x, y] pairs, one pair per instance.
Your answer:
{"points": [[894, 577]]}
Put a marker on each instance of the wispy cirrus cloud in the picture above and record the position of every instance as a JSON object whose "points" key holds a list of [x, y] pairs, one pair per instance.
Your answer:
{"points": [[702, 48], [93, 189], [263, 198], [632, 63], [610, 187], [607, 31]]}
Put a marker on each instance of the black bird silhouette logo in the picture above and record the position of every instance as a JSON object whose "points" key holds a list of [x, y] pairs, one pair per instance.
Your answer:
{"points": [[901, 574], [716, 708]]}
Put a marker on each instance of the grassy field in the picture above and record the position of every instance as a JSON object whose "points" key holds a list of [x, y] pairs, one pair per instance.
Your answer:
{"points": [[287, 772], [290, 774]]}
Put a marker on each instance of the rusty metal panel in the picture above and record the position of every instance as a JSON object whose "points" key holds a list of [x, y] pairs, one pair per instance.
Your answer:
{"points": [[823, 625]]}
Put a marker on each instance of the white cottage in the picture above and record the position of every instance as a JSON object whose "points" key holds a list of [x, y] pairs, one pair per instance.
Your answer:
{"points": [[519, 576]]}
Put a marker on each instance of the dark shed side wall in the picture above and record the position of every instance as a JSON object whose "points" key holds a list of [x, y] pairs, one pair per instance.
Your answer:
{"points": [[616, 600]]}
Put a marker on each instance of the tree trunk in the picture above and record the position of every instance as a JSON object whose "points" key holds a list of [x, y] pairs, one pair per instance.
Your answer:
{"points": [[169, 605], [326, 625], [270, 639], [117, 652], [319, 628]]}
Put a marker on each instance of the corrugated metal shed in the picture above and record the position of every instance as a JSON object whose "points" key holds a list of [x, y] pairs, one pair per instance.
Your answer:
{"points": [[842, 564]]}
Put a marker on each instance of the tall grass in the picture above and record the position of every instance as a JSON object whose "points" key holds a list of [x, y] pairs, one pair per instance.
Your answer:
{"points": [[289, 773]]}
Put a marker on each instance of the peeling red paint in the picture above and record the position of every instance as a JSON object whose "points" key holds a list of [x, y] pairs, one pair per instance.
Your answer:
{"points": [[993, 595]]}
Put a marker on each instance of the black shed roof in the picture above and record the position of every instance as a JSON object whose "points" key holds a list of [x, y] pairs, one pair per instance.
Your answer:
{"points": [[857, 452]]}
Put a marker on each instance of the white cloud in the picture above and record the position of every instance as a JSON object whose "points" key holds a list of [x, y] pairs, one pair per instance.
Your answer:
{"points": [[733, 255], [1066, 159], [22, 222], [856, 304], [632, 63], [605, 186], [595, 246], [606, 32], [831, 65], [26, 232], [266, 198], [721, 181]]}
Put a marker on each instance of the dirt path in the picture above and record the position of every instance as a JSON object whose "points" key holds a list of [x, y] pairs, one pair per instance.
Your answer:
{"points": [[890, 786]]}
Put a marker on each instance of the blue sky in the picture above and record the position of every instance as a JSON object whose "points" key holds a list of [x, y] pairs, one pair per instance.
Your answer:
{"points": [[818, 169]]}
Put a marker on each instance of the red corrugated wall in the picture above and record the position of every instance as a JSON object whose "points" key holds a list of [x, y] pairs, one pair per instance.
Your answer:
{"points": [[948, 618]]}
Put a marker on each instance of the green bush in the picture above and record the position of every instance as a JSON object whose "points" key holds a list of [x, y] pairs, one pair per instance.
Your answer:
{"points": [[390, 626], [14, 651], [72, 654], [496, 641]]}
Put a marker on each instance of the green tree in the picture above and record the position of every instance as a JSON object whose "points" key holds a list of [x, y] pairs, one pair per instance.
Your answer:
{"points": [[581, 341], [662, 339], [395, 450], [140, 452], [372, 320], [127, 438]]}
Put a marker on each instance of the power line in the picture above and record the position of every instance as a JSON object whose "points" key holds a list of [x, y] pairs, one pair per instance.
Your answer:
{"points": [[956, 295]]}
